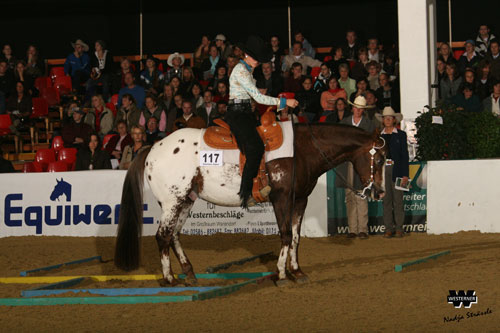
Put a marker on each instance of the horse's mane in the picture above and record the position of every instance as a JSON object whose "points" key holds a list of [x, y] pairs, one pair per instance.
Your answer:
{"points": [[327, 130]]}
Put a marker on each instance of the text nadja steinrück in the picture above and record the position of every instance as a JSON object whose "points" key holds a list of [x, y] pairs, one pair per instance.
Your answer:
{"points": [[459, 317]]}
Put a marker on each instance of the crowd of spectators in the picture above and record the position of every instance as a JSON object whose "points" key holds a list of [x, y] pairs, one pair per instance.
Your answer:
{"points": [[160, 97]]}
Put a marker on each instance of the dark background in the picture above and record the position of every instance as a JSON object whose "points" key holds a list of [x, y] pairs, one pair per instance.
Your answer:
{"points": [[52, 25]]}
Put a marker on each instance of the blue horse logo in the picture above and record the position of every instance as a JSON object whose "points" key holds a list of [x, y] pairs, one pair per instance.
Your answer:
{"points": [[61, 188]]}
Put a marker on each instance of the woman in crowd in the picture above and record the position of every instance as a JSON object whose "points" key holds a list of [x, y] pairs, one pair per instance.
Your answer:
{"points": [[102, 69], [308, 100], [166, 98], [138, 144], [362, 86], [92, 157], [201, 53], [20, 74], [175, 83], [100, 118], [321, 83], [329, 96], [222, 92], [151, 77], [446, 54], [467, 99], [483, 77], [278, 53], [8, 57], [187, 81], [450, 84], [337, 59], [396, 165], [19, 106], [35, 66], [152, 109], [220, 75], [341, 111], [359, 69], [210, 64], [117, 143], [373, 68], [196, 95]]}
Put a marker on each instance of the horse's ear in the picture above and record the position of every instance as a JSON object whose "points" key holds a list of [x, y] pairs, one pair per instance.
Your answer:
{"points": [[62, 179], [376, 133], [58, 181]]}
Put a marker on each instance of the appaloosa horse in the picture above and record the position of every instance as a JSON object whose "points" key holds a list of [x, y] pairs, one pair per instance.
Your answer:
{"points": [[175, 177]]}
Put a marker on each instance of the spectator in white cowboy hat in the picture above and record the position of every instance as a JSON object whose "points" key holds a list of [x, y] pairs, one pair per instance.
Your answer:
{"points": [[77, 64], [175, 62], [396, 165], [224, 48], [357, 208]]}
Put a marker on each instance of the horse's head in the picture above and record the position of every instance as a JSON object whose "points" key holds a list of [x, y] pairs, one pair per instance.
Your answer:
{"points": [[370, 166], [61, 188]]}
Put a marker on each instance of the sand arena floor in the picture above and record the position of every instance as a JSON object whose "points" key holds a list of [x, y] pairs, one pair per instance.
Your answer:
{"points": [[352, 288]]}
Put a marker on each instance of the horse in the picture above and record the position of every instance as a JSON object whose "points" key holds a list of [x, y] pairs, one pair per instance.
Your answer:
{"points": [[171, 167]]}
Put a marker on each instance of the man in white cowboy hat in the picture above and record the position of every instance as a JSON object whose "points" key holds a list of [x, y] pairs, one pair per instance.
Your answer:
{"points": [[357, 208], [175, 62], [396, 165], [77, 64]]}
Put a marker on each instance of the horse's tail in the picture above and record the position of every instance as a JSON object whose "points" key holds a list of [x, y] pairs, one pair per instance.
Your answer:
{"points": [[128, 242]]}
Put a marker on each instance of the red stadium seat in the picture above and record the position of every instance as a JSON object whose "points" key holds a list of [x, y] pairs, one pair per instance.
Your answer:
{"points": [[63, 84], [40, 107], [56, 72], [43, 82], [287, 95], [114, 99], [112, 107], [44, 157], [315, 73], [351, 64], [327, 58], [51, 95], [458, 53], [57, 144], [106, 139], [32, 167], [58, 166], [68, 155], [5, 123]]}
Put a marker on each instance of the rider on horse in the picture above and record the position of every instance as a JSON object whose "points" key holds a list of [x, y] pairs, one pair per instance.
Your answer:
{"points": [[240, 117]]}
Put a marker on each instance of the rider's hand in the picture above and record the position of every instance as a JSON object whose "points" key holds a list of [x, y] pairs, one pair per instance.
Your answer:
{"points": [[293, 103]]}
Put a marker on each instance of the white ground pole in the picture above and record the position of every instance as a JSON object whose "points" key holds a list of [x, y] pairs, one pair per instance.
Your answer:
{"points": [[417, 59]]}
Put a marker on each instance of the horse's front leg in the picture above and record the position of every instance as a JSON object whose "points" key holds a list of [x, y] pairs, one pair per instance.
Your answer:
{"points": [[298, 215], [187, 268]]}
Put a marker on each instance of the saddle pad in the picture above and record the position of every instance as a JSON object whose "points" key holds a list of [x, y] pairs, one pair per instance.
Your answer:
{"points": [[232, 156]]}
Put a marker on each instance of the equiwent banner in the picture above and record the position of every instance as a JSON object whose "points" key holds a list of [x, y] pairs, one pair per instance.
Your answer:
{"points": [[415, 205], [88, 204]]}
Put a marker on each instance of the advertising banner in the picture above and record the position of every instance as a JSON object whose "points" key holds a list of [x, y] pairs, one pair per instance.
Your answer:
{"points": [[415, 205], [87, 203]]}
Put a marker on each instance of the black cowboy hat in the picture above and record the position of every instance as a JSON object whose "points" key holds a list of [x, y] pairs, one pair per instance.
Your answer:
{"points": [[257, 49]]}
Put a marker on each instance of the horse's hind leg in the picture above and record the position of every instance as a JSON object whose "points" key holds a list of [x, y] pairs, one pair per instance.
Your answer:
{"points": [[166, 237], [187, 268], [298, 214]]}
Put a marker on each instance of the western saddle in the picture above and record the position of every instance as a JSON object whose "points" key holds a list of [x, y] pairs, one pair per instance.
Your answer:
{"points": [[270, 133]]}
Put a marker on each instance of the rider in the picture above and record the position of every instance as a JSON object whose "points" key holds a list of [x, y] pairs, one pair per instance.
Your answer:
{"points": [[239, 114]]}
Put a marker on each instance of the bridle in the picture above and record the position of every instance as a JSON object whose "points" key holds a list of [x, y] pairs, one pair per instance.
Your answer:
{"points": [[369, 183]]}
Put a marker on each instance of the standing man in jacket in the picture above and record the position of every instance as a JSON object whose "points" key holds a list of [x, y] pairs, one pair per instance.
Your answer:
{"points": [[357, 207]]}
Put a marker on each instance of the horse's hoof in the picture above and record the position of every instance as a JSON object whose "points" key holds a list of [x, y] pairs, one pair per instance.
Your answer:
{"points": [[190, 281], [166, 283], [282, 282], [302, 279]]}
